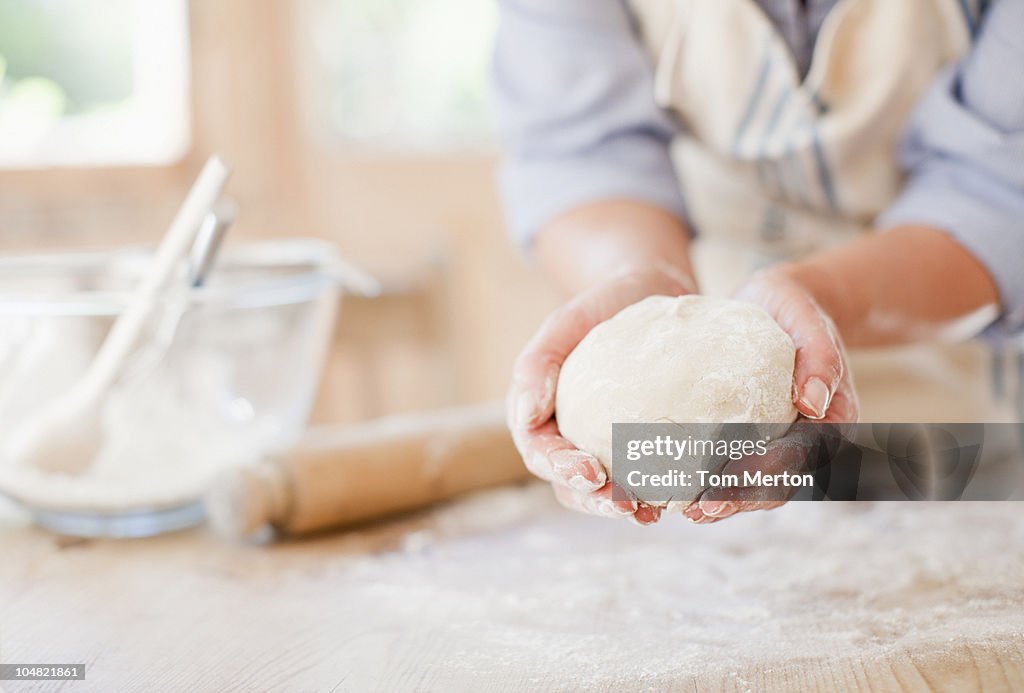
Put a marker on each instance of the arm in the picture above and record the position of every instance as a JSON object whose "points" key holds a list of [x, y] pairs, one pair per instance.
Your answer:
{"points": [[586, 246], [947, 259], [573, 92], [959, 224], [588, 184], [912, 283]]}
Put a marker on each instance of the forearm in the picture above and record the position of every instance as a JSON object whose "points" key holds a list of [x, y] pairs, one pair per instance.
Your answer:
{"points": [[594, 242], [908, 284]]}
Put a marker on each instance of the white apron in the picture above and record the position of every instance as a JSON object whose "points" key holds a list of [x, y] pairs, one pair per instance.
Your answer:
{"points": [[774, 166]]}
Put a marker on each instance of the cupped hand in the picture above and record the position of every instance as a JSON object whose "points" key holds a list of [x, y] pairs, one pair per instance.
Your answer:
{"points": [[823, 391], [580, 481]]}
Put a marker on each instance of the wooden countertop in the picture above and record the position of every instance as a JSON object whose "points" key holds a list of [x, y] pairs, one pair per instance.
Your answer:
{"points": [[505, 591]]}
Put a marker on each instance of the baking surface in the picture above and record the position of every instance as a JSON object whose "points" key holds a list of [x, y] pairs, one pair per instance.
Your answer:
{"points": [[506, 589]]}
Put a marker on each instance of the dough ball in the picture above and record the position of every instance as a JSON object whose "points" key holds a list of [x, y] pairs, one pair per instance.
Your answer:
{"points": [[689, 359]]}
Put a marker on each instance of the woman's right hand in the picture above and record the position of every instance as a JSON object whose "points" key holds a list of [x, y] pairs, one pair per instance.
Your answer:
{"points": [[580, 481]]}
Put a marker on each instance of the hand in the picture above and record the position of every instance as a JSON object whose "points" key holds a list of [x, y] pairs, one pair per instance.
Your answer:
{"points": [[822, 391], [580, 481]]}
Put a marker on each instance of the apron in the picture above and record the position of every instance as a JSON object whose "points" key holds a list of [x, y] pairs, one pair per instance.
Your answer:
{"points": [[774, 165]]}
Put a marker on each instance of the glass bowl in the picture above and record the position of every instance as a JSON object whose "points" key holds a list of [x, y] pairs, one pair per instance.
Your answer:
{"points": [[221, 375]]}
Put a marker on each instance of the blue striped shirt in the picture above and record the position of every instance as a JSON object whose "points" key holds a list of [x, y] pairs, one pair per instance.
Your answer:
{"points": [[574, 93]]}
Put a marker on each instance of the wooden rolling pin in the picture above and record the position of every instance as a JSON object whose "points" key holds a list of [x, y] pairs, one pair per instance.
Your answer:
{"points": [[342, 475]]}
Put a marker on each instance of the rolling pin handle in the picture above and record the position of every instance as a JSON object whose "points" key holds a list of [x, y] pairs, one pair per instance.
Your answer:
{"points": [[245, 500]]}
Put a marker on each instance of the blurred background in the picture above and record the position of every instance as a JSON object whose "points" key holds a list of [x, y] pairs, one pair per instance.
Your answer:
{"points": [[365, 122]]}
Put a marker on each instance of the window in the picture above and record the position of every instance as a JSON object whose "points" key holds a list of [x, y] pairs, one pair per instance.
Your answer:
{"points": [[403, 74], [93, 82]]}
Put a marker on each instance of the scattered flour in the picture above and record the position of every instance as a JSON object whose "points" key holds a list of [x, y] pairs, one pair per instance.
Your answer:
{"points": [[522, 586]]}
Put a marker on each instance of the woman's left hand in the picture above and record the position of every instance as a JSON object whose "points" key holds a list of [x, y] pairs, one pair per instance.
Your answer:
{"points": [[822, 391]]}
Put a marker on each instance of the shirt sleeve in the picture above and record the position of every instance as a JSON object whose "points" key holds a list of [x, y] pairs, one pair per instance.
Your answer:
{"points": [[965, 153], [573, 90]]}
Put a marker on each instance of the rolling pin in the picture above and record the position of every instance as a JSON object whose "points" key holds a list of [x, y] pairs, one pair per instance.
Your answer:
{"points": [[338, 476]]}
